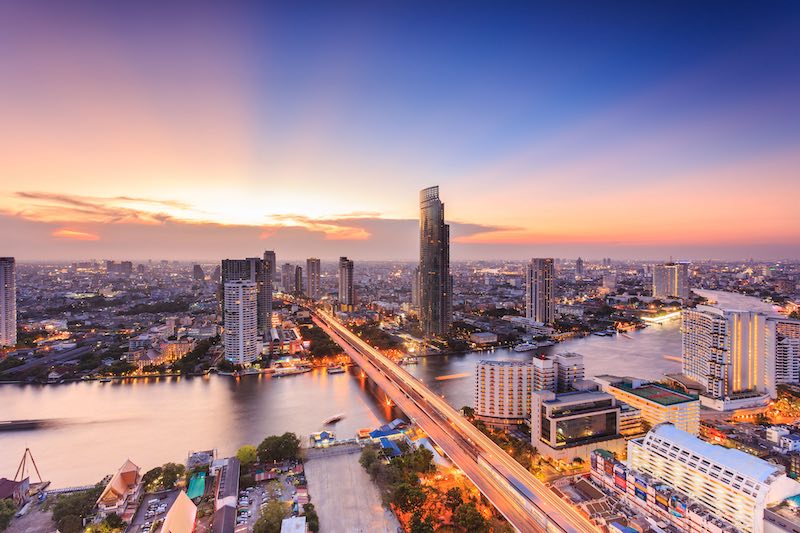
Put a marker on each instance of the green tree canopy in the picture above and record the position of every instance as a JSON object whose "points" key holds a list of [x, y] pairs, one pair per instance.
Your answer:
{"points": [[271, 518], [247, 454], [468, 518], [279, 448], [453, 499], [7, 511], [408, 497]]}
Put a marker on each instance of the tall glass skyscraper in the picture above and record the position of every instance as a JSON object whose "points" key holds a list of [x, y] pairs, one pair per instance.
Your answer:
{"points": [[8, 302], [435, 282], [540, 290]]}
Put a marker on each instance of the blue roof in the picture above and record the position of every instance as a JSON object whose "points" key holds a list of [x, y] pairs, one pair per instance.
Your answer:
{"points": [[380, 433], [392, 448]]}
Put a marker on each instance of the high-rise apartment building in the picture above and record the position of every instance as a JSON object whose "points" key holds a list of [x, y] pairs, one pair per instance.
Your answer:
{"points": [[671, 280], [579, 268], [734, 486], [313, 289], [739, 356], [272, 265], [435, 282], [540, 302], [251, 269], [8, 301], [347, 297], [241, 321], [197, 273]]}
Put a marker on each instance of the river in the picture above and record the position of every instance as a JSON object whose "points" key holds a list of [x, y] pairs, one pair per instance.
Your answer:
{"points": [[96, 426]]}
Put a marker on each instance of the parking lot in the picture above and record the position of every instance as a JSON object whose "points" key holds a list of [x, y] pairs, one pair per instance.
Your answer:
{"points": [[152, 510]]}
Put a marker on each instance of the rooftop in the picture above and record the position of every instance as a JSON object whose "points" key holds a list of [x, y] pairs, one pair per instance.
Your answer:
{"points": [[735, 460], [655, 393]]}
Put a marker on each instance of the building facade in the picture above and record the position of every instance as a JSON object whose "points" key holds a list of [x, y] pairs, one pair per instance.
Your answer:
{"points": [[256, 270], [313, 273], [657, 403], [734, 486], [347, 296], [241, 322], [8, 301], [503, 392], [671, 280], [540, 303], [435, 282]]}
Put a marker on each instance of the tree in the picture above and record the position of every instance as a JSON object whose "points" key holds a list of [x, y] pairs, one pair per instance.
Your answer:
{"points": [[70, 524], [453, 499], [420, 525], [247, 454], [151, 476], [408, 497], [7, 511], [279, 448], [78, 504], [271, 518], [113, 521], [468, 412], [468, 518], [369, 455], [171, 472], [795, 315], [312, 519]]}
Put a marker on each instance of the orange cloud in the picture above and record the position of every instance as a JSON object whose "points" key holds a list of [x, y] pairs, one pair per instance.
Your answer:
{"points": [[75, 235]]}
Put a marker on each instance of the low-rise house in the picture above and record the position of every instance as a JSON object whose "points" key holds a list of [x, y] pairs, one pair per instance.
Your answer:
{"points": [[122, 491]]}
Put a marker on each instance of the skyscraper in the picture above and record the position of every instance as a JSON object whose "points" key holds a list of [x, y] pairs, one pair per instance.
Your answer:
{"points": [[241, 321], [252, 269], [540, 302], [346, 293], [671, 280], [435, 282], [415, 288], [8, 302], [298, 281], [287, 278], [269, 258], [197, 273], [313, 274], [579, 267]]}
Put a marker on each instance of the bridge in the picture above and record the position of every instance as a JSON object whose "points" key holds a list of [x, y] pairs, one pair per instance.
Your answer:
{"points": [[527, 503]]}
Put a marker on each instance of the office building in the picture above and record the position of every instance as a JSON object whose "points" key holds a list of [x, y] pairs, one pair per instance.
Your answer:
{"points": [[569, 371], [197, 273], [579, 269], [347, 298], [435, 282], [251, 269], [8, 301], [573, 424], [287, 278], [313, 289], [657, 403], [415, 288], [734, 486], [503, 392], [540, 302], [241, 321], [298, 281], [671, 280], [739, 356]]}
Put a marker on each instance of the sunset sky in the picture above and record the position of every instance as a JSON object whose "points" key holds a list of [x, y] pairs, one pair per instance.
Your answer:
{"points": [[186, 130]]}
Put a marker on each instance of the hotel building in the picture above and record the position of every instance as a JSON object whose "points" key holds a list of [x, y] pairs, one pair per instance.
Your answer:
{"points": [[671, 280], [540, 291], [503, 392], [656, 402], [732, 485], [8, 302], [739, 356], [241, 323]]}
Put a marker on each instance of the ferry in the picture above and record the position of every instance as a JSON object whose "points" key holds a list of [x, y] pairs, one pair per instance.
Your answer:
{"points": [[525, 347], [336, 369], [105, 380], [410, 360]]}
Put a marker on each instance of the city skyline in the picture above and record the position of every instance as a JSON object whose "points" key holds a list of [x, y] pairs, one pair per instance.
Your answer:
{"points": [[681, 149]]}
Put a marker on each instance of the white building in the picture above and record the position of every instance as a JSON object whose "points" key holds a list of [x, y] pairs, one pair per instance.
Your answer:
{"points": [[671, 280], [8, 302], [503, 392], [569, 370], [736, 486], [540, 290], [241, 321], [739, 356]]}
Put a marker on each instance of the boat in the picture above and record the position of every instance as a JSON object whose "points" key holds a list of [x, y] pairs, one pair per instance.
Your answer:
{"points": [[290, 371], [333, 419], [545, 344], [336, 369], [525, 347], [105, 380], [408, 361]]}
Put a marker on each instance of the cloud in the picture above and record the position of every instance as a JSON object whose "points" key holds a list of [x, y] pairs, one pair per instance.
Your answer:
{"points": [[75, 235]]}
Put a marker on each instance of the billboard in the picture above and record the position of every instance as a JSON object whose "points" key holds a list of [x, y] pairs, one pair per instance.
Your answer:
{"points": [[609, 468], [662, 499], [620, 477], [677, 507], [640, 489]]}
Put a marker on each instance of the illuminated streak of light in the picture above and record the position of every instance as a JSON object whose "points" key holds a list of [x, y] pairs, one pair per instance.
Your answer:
{"points": [[451, 376]]}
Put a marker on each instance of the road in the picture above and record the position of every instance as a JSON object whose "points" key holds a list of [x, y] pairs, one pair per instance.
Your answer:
{"points": [[54, 357], [542, 510]]}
